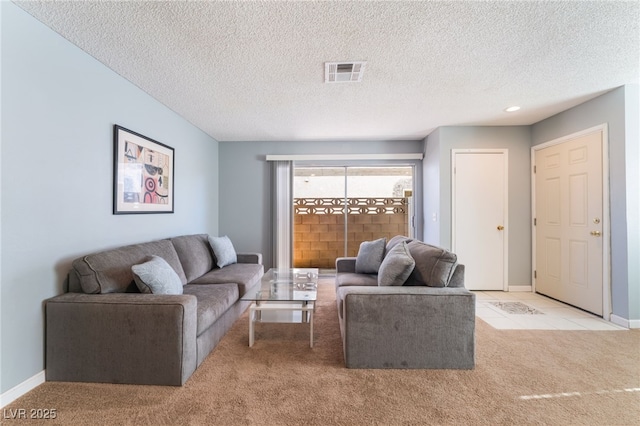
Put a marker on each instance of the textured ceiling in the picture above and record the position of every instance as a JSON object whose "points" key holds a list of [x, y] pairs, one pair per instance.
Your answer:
{"points": [[254, 70]]}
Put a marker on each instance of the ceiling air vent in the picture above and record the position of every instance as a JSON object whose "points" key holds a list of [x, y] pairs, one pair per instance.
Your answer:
{"points": [[343, 72]]}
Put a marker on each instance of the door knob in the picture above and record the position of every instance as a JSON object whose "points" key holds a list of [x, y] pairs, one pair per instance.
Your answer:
{"points": [[595, 233], [500, 227]]}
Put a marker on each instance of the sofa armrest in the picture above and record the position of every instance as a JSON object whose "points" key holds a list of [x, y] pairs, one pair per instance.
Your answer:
{"points": [[250, 258], [407, 327], [346, 264], [121, 338]]}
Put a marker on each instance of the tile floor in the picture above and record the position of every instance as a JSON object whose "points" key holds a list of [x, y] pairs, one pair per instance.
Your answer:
{"points": [[544, 313]]}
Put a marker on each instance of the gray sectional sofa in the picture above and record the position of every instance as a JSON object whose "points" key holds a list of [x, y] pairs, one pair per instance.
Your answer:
{"points": [[105, 330], [423, 320]]}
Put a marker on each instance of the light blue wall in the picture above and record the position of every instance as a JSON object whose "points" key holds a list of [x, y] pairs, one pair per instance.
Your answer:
{"points": [[632, 156], [59, 106], [610, 109], [245, 184], [517, 140], [431, 173]]}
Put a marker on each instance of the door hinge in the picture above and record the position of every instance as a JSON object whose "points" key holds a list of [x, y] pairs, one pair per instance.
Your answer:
{"points": [[534, 169], [535, 274], [535, 221]]}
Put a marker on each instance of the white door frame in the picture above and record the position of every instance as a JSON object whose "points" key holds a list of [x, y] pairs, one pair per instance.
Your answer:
{"points": [[606, 213], [505, 152]]}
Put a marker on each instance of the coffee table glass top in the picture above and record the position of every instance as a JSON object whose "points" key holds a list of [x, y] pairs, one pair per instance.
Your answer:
{"points": [[292, 285]]}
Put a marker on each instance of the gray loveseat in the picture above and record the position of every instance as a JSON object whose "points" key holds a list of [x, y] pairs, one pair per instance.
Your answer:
{"points": [[105, 330], [426, 322]]}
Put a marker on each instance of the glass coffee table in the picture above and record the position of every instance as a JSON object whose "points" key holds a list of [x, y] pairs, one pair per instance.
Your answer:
{"points": [[284, 295]]}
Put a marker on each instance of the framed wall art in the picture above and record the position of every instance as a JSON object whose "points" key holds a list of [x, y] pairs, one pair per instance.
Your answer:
{"points": [[143, 174]]}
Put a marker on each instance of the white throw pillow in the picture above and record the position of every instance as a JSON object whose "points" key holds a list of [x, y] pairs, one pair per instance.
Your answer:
{"points": [[223, 251], [156, 276]]}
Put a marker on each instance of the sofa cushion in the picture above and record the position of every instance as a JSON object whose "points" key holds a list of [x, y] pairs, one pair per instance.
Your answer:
{"points": [[396, 266], [213, 301], [110, 271], [195, 255], [370, 256], [156, 276], [434, 265], [245, 275], [353, 279], [396, 240], [223, 250]]}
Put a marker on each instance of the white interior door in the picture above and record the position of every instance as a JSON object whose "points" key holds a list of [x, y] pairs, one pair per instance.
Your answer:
{"points": [[479, 219], [569, 222]]}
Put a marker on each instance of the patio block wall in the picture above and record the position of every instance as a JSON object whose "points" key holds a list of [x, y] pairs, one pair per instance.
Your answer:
{"points": [[318, 231]]}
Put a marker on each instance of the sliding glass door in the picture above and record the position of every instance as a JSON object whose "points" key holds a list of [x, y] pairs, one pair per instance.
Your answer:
{"points": [[378, 204], [318, 216], [337, 208]]}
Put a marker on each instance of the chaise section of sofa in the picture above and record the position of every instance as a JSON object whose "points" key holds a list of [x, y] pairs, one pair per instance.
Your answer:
{"points": [[104, 330], [429, 322]]}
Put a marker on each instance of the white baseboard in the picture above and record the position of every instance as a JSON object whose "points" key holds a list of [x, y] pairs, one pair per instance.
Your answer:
{"points": [[625, 322], [521, 288], [17, 391]]}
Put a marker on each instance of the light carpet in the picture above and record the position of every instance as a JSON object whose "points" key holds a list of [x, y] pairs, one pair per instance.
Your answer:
{"points": [[522, 377]]}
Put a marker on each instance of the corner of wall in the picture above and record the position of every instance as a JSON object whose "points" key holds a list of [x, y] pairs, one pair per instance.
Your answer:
{"points": [[2, 5], [431, 189], [632, 159]]}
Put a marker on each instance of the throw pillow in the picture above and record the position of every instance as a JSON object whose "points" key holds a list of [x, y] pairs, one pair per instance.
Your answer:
{"points": [[156, 276], [370, 256], [396, 266], [223, 251], [434, 265], [396, 240]]}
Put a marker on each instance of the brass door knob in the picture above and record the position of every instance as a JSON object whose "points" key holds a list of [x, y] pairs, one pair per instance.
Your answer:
{"points": [[500, 227], [595, 233]]}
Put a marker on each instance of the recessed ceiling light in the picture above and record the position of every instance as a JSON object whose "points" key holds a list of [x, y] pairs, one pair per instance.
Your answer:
{"points": [[512, 108]]}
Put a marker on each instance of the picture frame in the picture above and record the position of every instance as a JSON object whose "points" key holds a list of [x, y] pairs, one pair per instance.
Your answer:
{"points": [[143, 174]]}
